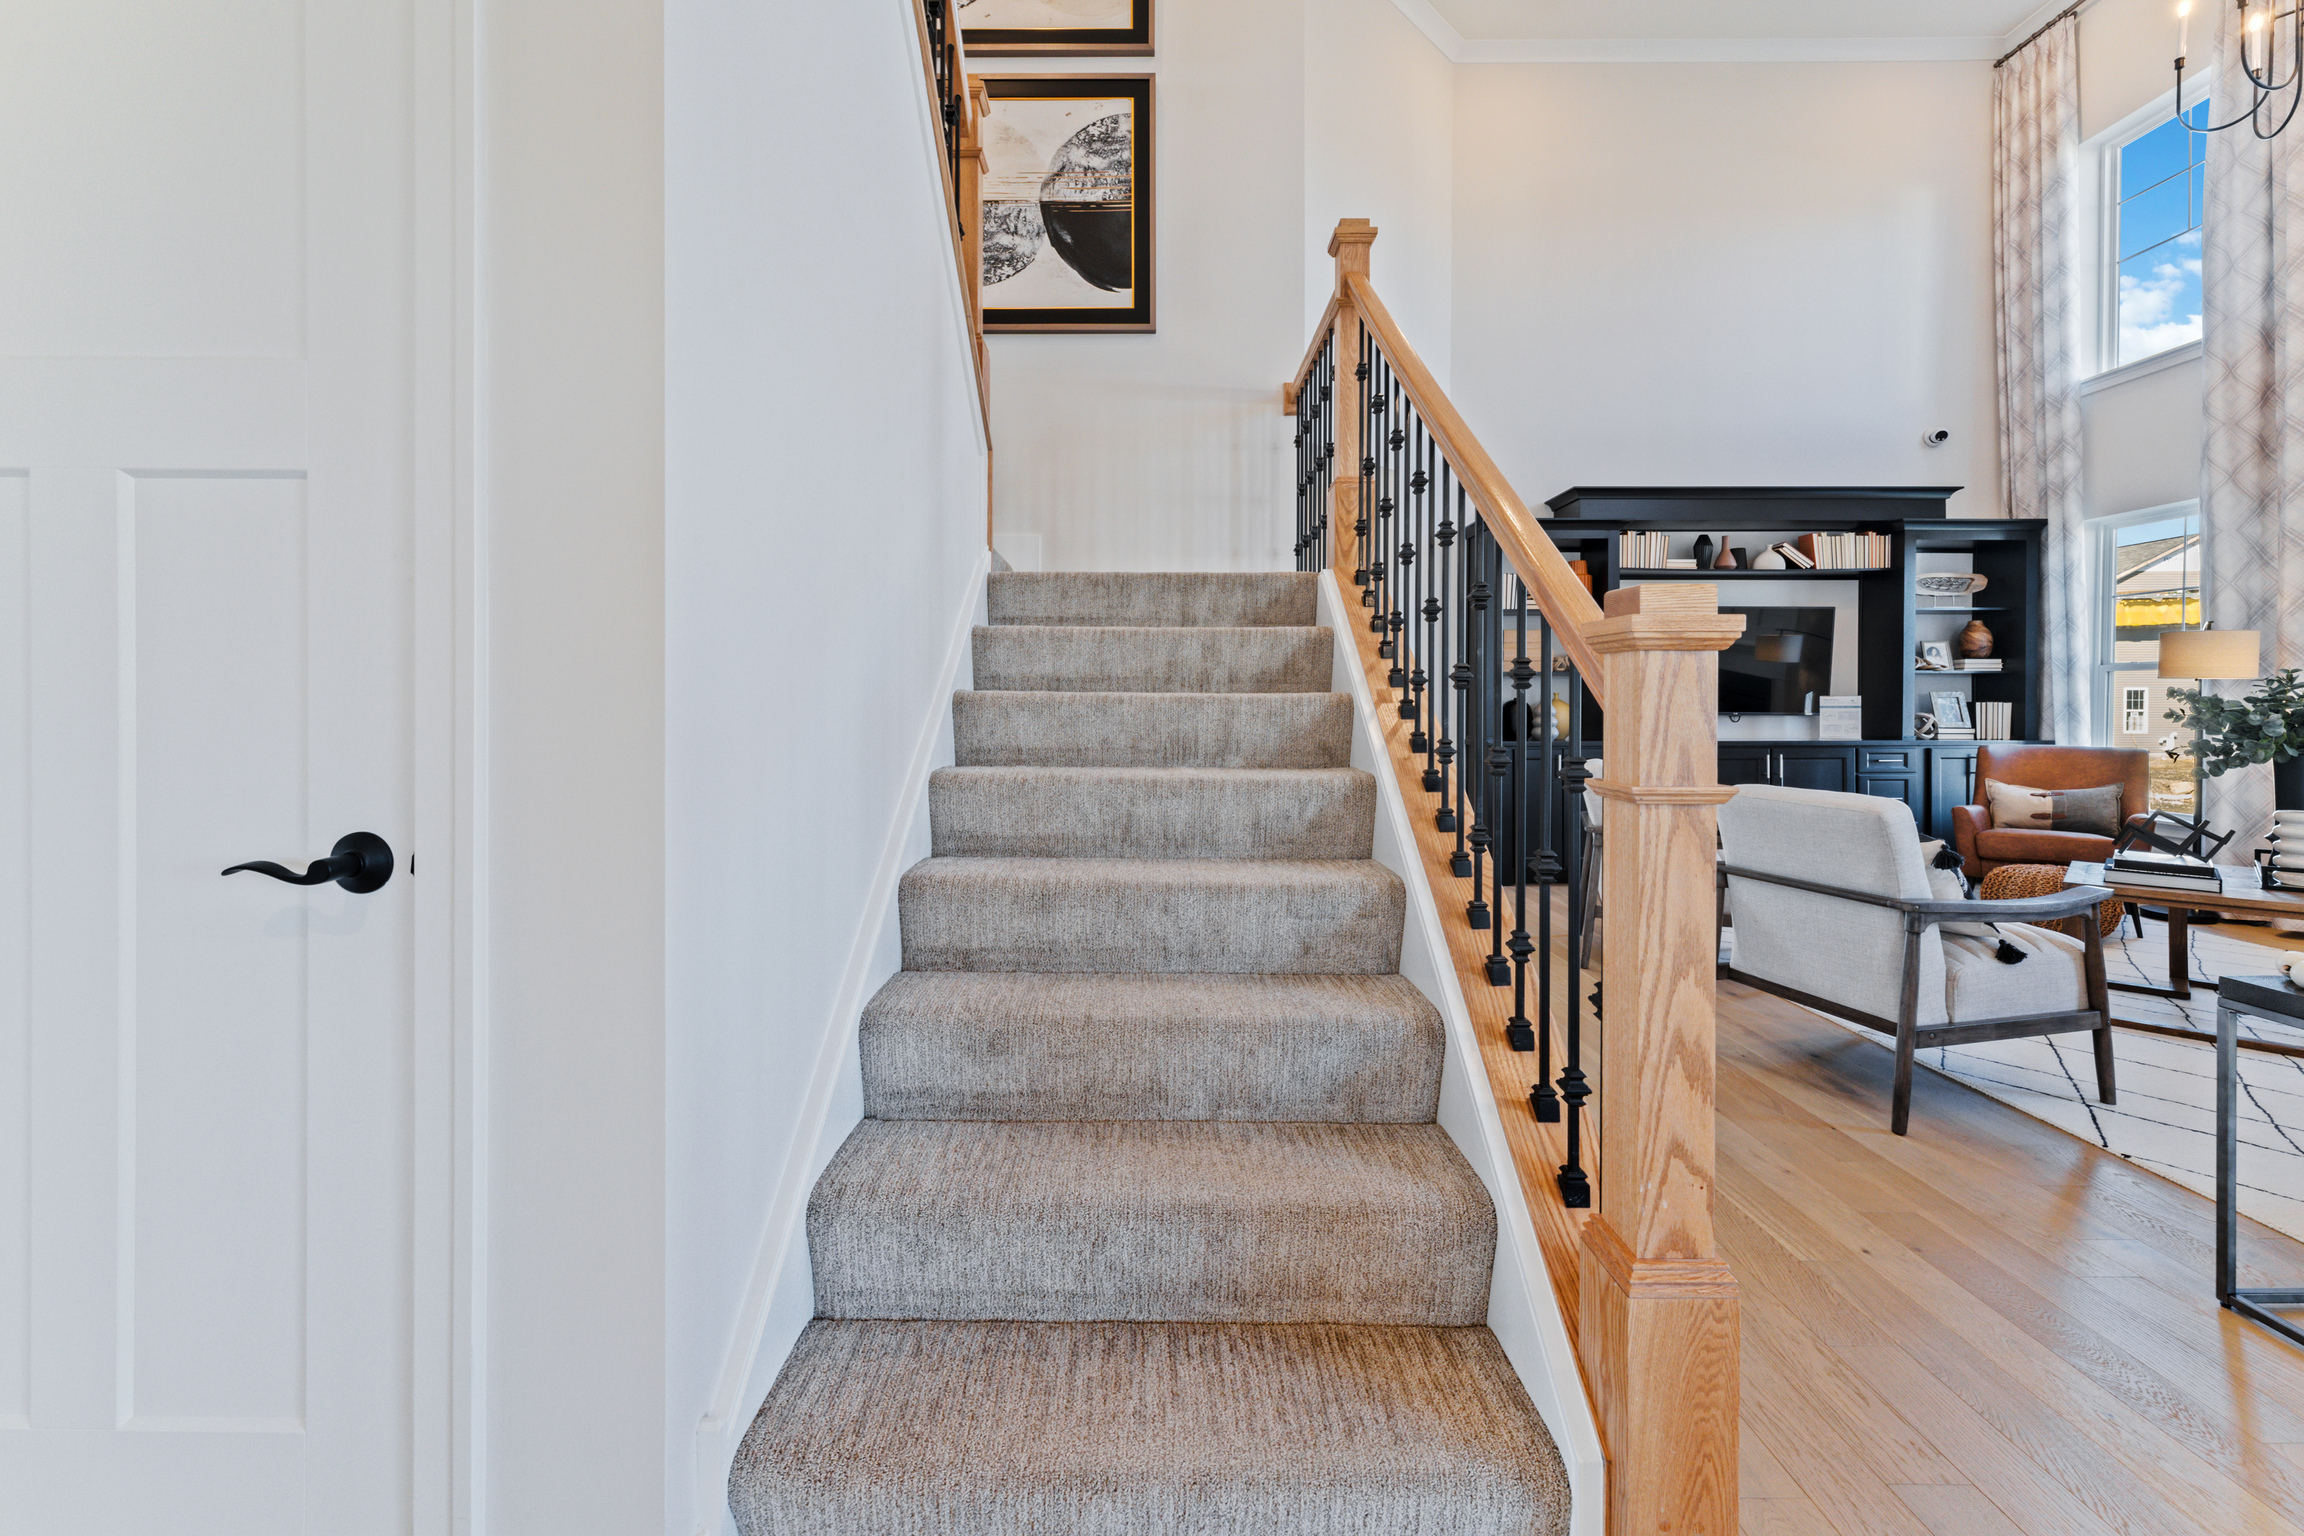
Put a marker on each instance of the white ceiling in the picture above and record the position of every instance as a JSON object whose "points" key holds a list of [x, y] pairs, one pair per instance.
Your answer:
{"points": [[1474, 31]]}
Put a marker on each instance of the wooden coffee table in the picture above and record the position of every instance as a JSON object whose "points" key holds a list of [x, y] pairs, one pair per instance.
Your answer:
{"points": [[2242, 895]]}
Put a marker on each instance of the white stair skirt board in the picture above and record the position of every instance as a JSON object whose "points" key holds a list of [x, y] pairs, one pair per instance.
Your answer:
{"points": [[1522, 1311], [2166, 1118], [780, 1299]]}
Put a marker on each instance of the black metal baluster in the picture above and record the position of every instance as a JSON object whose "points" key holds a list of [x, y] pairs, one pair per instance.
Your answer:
{"points": [[1327, 465], [1360, 502], [1520, 1032], [1413, 568], [1444, 691], [1491, 668], [1575, 1188], [1395, 442], [1541, 1096], [1460, 683]]}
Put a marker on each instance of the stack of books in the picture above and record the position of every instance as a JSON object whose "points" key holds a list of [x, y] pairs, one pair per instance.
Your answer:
{"points": [[2288, 848], [2163, 872], [1993, 721], [1643, 551], [1837, 551], [1975, 663], [1950, 730]]}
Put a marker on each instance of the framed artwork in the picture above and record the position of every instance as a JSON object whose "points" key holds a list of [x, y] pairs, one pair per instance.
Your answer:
{"points": [[1951, 708], [1067, 217], [1010, 28], [1936, 656]]}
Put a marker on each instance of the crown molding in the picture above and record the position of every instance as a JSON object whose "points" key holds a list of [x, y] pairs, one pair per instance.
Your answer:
{"points": [[1460, 49]]}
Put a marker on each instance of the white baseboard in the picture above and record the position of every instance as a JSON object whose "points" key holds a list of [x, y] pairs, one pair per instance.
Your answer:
{"points": [[1523, 1309], [780, 1297]]}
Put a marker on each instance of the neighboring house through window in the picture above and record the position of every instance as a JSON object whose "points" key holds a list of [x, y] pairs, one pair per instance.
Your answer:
{"points": [[2132, 711], [2147, 580]]}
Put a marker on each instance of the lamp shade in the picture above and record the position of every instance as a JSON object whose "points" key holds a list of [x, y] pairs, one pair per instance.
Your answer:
{"points": [[2211, 653]]}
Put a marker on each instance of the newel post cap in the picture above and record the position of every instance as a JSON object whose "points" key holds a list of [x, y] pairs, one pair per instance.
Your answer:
{"points": [[1352, 233]]}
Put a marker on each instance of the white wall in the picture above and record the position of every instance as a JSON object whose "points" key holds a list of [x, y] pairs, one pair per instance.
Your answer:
{"points": [[1731, 274], [1379, 144], [570, 766], [1168, 451], [824, 521]]}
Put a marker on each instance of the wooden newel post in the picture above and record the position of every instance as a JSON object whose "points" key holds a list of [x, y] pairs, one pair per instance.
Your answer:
{"points": [[1658, 1330], [1349, 245]]}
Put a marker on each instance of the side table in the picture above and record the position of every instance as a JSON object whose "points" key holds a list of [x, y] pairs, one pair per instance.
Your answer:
{"points": [[2265, 997]]}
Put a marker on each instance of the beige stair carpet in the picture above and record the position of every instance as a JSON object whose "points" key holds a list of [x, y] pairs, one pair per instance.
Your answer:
{"points": [[1150, 1228]]}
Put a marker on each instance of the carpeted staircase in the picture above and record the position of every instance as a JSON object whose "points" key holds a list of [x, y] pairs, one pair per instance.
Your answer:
{"points": [[1149, 1228]]}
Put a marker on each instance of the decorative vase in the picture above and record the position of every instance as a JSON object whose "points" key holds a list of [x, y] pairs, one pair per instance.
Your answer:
{"points": [[1743, 557], [1727, 560], [2288, 785], [1703, 551], [1768, 560], [1975, 640]]}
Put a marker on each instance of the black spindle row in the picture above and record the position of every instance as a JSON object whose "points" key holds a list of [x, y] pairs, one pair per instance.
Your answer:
{"points": [[1494, 707]]}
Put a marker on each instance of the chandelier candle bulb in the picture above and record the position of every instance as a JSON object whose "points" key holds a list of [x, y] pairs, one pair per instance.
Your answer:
{"points": [[2183, 28]]}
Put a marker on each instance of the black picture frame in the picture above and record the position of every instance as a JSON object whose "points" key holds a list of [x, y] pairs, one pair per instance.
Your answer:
{"points": [[1140, 315], [1057, 42]]}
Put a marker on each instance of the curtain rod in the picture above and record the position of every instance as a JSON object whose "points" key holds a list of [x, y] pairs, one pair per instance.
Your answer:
{"points": [[2043, 32]]}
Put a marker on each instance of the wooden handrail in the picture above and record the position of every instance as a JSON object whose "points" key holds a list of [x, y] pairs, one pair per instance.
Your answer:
{"points": [[961, 177], [1641, 1284]]}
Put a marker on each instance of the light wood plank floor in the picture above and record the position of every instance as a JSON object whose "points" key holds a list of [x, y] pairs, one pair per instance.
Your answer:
{"points": [[1986, 1327]]}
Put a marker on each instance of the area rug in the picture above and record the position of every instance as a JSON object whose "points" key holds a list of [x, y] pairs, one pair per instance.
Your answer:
{"points": [[2166, 1117]]}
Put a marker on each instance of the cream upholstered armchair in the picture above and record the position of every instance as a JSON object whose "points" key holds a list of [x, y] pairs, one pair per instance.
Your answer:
{"points": [[1833, 906]]}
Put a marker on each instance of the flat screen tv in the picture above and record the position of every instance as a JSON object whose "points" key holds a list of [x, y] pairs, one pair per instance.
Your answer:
{"points": [[1779, 664]]}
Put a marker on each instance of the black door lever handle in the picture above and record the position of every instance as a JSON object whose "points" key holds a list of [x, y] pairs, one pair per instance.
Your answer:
{"points": [[360, 862]]}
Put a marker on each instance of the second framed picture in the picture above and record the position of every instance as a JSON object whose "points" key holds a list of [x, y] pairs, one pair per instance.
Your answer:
{"points": [[994, 28], [1067, 217]]}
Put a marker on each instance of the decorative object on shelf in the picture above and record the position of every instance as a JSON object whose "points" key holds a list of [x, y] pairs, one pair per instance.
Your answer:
{"points": [[1703, 551], [1768, 559], [1975, 640], [1016, 28], [1924, 727], [1726, 560], [1840, 717], [1068, 198], [1993, 720], [1742, 558], [1939, 586], [1950, 709], [2267, 726], [1935, 655]]}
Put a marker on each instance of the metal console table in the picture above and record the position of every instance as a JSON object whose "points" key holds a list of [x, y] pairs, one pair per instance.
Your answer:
{"points": [[2269, 997]]}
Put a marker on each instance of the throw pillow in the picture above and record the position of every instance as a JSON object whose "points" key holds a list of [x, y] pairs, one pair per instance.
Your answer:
{"points": [[1947, 883], [2054, 810]]}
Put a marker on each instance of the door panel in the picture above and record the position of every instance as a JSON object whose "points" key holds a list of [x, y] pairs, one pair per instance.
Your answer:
{"points": [[1828, 768], [1892, 786], [206, 439], [1744, 765]]}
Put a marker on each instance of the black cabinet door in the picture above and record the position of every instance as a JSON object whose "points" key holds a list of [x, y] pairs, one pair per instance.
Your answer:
{"points": [[1951, 782], [1831, 768], [1740, 764], [1893, 786]]}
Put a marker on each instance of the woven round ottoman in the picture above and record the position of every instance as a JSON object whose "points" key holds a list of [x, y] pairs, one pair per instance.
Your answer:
{"points": [[2014, 882]]}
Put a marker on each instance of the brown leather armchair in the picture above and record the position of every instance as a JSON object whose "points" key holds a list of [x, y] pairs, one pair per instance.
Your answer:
{"points": [[1984, 848]]}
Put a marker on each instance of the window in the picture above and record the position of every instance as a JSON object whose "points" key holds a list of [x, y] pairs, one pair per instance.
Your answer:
{"points": [[2148, 580], [2154, 286]]}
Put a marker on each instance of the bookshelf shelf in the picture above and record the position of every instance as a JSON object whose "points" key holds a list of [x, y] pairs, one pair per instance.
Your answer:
{"points": [[1790, 573]]}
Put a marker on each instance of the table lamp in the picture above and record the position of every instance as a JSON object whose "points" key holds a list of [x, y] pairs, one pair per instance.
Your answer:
{"points": [[2208, 656]]}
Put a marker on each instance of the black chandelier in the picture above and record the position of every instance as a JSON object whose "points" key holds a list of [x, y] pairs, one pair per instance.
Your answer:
{"points": [[2260, 53]]}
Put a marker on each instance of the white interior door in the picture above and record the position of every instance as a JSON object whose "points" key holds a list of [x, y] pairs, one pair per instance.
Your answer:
{"points": [[206, 577]]}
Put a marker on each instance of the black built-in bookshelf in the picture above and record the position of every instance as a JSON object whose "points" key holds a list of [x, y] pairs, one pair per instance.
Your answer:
{"points": [[1891, 618]]}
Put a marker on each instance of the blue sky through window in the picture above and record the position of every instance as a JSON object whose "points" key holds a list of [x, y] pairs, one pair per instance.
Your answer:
{"points": [[2161, 182]]}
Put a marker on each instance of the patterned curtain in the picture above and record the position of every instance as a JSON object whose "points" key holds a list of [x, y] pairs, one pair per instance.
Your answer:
{"points": [[2252, 485], [2035, 216]]}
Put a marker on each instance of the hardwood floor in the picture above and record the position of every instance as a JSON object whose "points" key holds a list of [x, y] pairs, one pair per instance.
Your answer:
{"points": [[1985, 1328]]}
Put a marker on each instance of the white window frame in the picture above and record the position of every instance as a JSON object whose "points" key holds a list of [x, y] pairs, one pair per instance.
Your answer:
{"points": [[2104, 576], [2098, 260], [2133, 707]]}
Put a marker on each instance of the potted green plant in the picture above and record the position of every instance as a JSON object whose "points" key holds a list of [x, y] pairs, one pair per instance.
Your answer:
{"points": [[2266, 726]]}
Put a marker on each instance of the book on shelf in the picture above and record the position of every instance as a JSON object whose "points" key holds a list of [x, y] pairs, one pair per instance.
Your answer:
{"points": [[1844, 551], [1644, 551], [2181, 868], [1993, 721], [1683, 563], [1794, 556], [1976, 664], [1955, 732]]}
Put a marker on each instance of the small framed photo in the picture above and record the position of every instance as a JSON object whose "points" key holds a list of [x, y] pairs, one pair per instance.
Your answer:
{"points": [[1936, 655], [1019, 28], [1950, 708], [1067, 215]]}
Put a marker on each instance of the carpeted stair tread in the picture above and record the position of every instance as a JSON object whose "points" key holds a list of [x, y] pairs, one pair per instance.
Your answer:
{"points": [[958, 1045], [1187, 1221], [1151, 730], [1274, 916], [1155, 598], [1068, 659], [1133, 1429], [1153, 813]]}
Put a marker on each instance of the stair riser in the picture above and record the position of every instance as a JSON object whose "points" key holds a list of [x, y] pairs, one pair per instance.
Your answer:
{"points": [[1064, 660], [1175, 1223], [1060, 917], [1151, 814], [1154, 599], [1152, 730]]}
